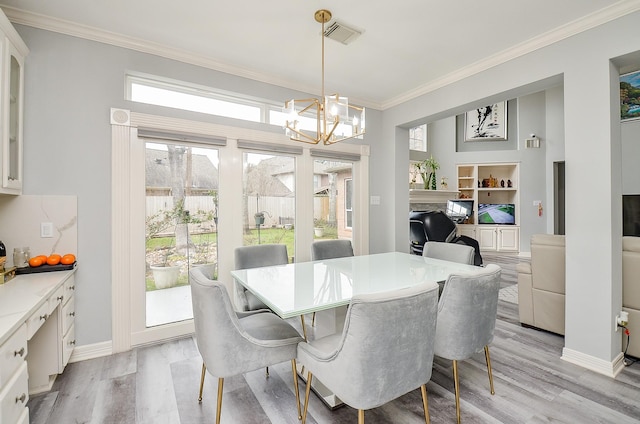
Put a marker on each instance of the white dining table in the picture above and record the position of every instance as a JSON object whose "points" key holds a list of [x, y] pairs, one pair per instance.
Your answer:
{"points": [[326, 286], [304, 287]]}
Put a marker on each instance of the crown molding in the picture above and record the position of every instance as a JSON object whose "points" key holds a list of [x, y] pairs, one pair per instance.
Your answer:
{"points": [[620, 9], [590, 21]]}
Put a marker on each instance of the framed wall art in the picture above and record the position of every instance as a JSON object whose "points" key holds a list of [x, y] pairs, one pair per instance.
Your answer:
{"points": [[486, 123], [630, 96]]}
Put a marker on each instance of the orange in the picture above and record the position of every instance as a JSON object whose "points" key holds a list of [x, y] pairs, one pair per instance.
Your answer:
{"points": [[35, 262], [43, 258], [54, 259], [68, 259]]}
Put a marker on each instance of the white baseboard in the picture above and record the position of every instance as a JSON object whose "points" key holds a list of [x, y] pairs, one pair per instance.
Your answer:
{"points": [[610, 369], [92, 351]]}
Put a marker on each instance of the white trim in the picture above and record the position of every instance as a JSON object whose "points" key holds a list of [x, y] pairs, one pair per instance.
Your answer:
{"points": [[92, 351], [595, 19], [610, 369]]}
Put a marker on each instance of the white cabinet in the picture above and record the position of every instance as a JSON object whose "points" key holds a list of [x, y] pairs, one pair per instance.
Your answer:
{"points": [[51, 347], [37, 337], [12, 53], [14, 391], [502, 239], [493, 187]]}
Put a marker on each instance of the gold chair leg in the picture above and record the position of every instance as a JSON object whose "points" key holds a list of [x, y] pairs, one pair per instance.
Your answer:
{"points": [[306, 397], [204, 371], [304, 328], [295, 386], [425, 404], [313, 320], [456, 384], [488, 358], [360, 416], [219, 404]]}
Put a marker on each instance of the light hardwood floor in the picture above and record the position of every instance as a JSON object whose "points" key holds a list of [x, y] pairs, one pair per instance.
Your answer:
{"points": [[159, 384]]}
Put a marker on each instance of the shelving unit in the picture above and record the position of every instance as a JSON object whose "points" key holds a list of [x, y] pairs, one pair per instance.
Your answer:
{"points": [[491, 183]]}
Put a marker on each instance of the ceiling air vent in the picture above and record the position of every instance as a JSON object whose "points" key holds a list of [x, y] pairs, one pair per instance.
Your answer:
{"points": [[340, 32]]}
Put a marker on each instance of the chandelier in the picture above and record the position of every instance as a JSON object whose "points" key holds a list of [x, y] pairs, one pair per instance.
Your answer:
{"points": [[335, 119]]}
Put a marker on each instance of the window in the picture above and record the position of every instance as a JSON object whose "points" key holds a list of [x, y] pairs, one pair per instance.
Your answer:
{"points": [[196, 99], [332, 199], [418, 138], [268, 193]]}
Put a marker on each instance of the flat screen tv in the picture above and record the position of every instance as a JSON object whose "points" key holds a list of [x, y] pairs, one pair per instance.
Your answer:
{"points": [[459, 210], [497, 214], [631, 215]]}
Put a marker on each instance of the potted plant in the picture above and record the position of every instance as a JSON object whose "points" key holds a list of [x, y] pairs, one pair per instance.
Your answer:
{"points": [[427, 170]]}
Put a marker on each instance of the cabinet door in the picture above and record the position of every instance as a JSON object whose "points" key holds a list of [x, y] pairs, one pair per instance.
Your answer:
{"points": [[487, 238], [509, 239], [13, 74]]}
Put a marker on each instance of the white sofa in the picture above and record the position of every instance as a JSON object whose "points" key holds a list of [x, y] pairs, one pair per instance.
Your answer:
{"points": [[541, 284], [631, 291]]}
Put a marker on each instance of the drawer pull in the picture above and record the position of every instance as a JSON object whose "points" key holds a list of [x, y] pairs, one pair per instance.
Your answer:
{"points": [[19, 352], [72, 342], [72, 314], [21, 398], [60, 298], [44, 317], [72, 287]]}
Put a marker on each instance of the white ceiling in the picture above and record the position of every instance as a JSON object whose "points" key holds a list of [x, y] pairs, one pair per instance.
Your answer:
{"points": [[407, 47]]}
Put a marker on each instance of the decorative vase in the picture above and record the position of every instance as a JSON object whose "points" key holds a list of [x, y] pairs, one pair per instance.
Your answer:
{"points": [[434, 185], [318, 231]]}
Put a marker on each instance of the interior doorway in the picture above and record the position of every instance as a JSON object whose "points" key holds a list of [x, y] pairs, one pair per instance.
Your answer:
{"points": [[558, 198]]}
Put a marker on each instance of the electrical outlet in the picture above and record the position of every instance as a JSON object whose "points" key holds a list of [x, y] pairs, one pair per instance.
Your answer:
{"points": [[622, 320]]}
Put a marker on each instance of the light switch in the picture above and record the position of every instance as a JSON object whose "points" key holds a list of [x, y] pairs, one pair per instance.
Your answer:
{"points": [[46, 229], [375, 200]]}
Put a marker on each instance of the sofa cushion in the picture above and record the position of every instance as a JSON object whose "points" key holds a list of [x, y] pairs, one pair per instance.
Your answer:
{"points": [[548, 262], [631, 272]]}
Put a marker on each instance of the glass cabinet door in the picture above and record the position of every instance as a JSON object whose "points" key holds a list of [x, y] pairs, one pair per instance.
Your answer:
{"points": [[12, 137]]}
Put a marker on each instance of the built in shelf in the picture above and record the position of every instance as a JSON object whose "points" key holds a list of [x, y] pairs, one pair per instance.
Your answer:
{"points": [[431, 196]]}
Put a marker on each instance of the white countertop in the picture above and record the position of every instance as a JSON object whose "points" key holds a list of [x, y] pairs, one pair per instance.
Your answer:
{"points": [[22, 296]]}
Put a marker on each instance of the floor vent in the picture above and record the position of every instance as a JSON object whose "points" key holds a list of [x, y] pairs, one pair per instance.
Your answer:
{"points": [[340, 32]]}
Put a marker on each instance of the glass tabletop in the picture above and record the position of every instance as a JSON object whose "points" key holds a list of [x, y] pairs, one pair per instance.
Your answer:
{"points": [[301, 288]]}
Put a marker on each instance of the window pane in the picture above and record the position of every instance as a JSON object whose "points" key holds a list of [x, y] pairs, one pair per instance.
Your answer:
{"points": [[331, 219], [181, 225], [418, 138], [269, 200], [195, 103]]}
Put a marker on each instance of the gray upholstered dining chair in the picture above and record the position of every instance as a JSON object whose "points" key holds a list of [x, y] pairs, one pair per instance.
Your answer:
{"points": [[453, 252], [329, 249], [247, 257], [384, 351], [467, 312], [233, 343]]}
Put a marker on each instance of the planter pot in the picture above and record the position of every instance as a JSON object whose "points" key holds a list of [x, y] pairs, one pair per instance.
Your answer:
{"points": [[319, 232], [165, 276]]}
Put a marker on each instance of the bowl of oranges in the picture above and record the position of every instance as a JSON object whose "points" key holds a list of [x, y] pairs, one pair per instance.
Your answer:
{"points": [[52, 262]]}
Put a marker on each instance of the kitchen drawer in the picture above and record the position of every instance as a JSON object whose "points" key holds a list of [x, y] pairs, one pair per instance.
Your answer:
{"points": [[37, 319], [68, 344], [68, 315], [12, 354], [69, 288], [56, 299], [14, 397]]}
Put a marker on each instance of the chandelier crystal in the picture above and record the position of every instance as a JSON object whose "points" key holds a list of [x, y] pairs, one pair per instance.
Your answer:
{"points": [[335, 119]]}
